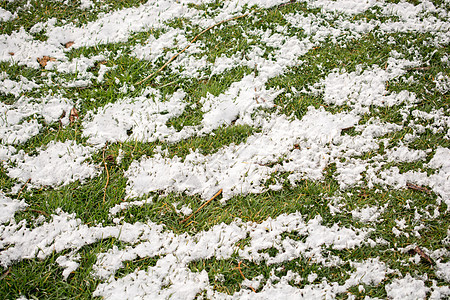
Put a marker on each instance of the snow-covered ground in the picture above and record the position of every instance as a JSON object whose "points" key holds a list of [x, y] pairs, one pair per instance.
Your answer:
{"points": [[302, 147]]}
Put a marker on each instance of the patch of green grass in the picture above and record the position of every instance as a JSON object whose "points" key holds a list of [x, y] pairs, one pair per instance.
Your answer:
{"points": [[5, 181], [31, 12], [42, 279], [136, 264], [226, 276], [85, 200]]}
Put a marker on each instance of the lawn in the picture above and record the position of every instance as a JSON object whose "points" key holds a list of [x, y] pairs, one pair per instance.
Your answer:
{"points": [[239, 149]]}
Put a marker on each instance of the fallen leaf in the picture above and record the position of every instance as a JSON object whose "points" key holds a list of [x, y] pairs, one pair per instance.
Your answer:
{"points": [[423, 255], [73, 115], [69, 44], [60, 118], [44, 60]]}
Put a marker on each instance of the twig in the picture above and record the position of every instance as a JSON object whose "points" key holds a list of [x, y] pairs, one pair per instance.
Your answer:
{"points": [[167, 84], [5, 274], [38, 211], [417, 188], [203, 205], [193, 40], [21, 190], [107, 173], [418, 69], [347, 128], [286, 3], [242, 274]]}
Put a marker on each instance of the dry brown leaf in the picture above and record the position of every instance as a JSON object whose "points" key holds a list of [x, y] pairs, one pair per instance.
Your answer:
{"points": [[423, 255], [60, 118], [73, 115], [44, 60], [69, 44]]}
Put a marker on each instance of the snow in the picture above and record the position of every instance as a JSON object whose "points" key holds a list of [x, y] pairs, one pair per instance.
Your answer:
{"points": [[241, 169], [370, 272], [351, 7], [13, 128], [366, 88], [443, 271], [68, 156], [345, 132], [154, 47], [145, 118], [406, 288], [368, 214], [5, 15], [123, 206], [8, 207], [67, 262], [16, 88]]}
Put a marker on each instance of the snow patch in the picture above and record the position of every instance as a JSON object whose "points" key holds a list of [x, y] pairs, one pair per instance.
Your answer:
{"points": [[69, 157]]}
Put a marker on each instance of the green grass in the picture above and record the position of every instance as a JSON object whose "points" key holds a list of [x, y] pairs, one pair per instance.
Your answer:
{"points": [[42, 279]]}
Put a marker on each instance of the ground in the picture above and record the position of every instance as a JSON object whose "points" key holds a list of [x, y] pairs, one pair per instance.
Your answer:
{"points": [[224, 149]]}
